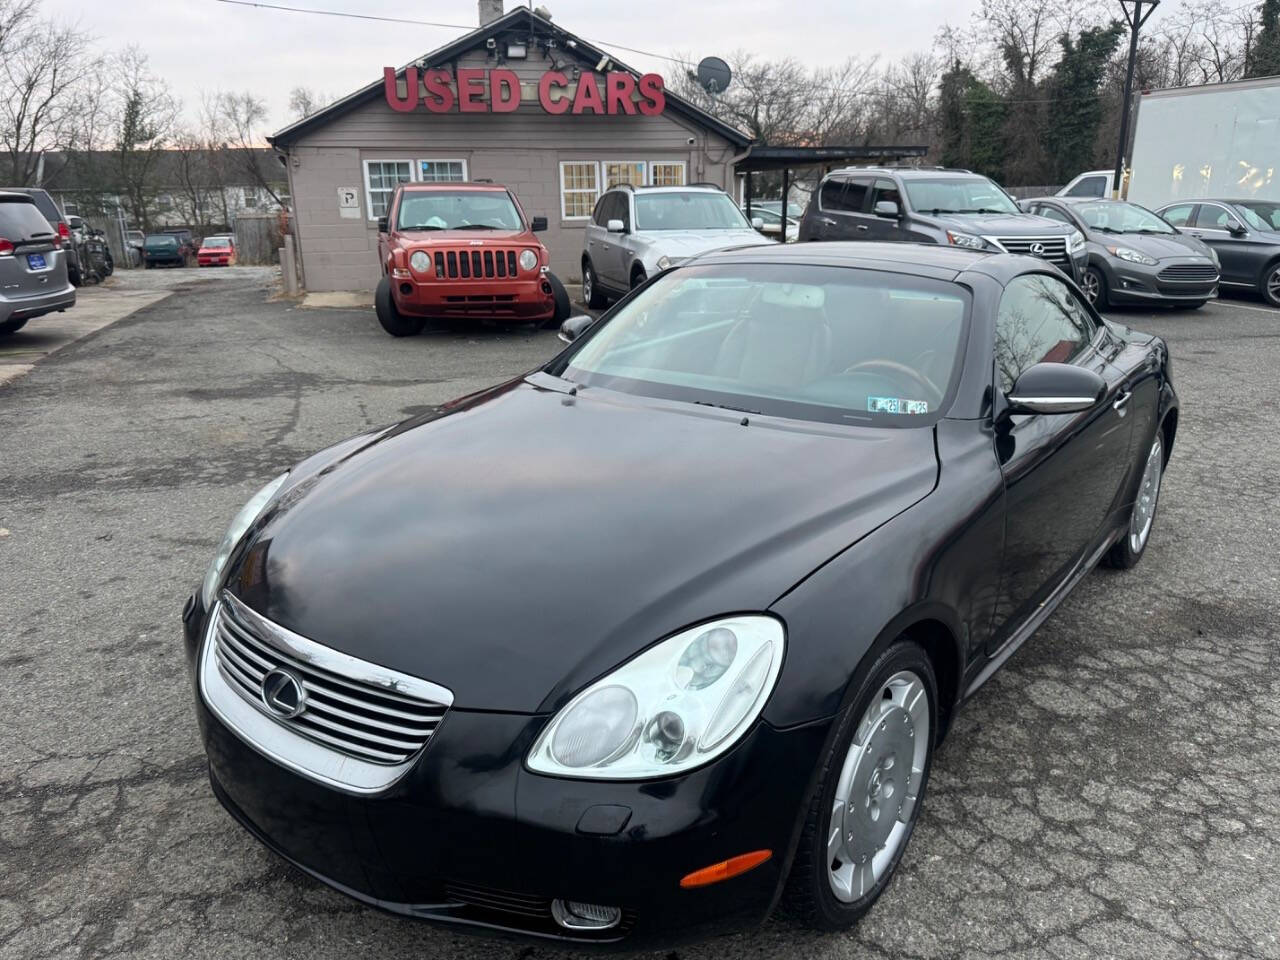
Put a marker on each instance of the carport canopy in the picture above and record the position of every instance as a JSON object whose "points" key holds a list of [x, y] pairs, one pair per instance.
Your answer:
{"points": [[760, 158]]}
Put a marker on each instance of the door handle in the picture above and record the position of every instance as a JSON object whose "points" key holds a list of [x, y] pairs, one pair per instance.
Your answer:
{"points": [[827, 220], [1122, 402], [863, 226]]}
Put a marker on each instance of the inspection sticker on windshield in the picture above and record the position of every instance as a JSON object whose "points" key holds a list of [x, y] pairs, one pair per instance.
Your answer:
{"points": [[896, 405]]}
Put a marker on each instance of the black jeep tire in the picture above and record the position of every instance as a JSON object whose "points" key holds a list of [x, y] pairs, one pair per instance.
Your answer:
{"points": [[392, 320], [563, 306]]}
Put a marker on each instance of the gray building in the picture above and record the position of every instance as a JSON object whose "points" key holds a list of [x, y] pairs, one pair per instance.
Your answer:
{"points": [[519, 101]]}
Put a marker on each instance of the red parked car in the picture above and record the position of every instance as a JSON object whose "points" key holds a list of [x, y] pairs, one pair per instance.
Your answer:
{"points": [[216, 252], [463, 250]]}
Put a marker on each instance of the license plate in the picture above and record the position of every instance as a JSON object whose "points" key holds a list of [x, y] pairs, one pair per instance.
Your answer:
{"points": [[36, 261]]}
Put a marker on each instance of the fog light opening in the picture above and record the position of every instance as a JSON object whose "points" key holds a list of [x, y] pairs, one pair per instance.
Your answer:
{"points": [[546, 288], [725, 869], [406, 289], [585, 916]]}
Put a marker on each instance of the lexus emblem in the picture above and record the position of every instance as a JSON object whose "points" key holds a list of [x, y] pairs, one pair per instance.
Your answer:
{"points": [[283, 693], [1037, 249]]}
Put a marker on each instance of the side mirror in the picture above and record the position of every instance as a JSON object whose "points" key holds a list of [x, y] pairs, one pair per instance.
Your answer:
{"points": [[615, 226], [887, 209], [1056, 388], [1236, 228], [382, 224], [575, 327], [538, 224], [757, 223]]}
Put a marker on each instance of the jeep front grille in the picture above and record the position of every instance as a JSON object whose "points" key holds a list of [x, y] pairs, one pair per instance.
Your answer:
{"points": [[474, 264]]}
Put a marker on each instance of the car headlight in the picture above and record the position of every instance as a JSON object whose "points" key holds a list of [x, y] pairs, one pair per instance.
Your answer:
{"points": [[1213, 255], [957, 239], [1133, 256], [678, 705], [420, 262], [239, 525], [528, 259], [1076, 244]]}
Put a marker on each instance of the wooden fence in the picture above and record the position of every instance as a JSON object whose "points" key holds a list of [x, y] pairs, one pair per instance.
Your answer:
{"points": [[258, 239]]}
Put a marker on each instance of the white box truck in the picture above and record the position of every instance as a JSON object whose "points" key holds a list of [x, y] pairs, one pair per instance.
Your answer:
{"points": [[1217, 140]]}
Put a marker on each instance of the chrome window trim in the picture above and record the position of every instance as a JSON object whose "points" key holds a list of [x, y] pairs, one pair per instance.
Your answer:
{"points": [[276, 741]]}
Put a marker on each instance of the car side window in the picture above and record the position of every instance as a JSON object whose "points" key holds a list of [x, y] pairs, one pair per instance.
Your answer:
{"points": [[831, 195], [1180, 215], [1089, 187], [855, 195], [1039, 321], [1212, 216], [598, 214], [886, 190], [1053, 213]]}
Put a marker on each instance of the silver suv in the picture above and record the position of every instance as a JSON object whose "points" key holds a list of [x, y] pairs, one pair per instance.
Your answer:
{"points": [[33, 265], [636, 232]]}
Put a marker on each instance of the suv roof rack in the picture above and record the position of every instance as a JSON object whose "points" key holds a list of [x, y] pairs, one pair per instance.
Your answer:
{"points": [[705, 184], [901, 166]]}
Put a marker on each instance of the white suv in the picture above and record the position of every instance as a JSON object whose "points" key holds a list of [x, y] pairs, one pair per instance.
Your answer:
{"points": [[636, 232]]}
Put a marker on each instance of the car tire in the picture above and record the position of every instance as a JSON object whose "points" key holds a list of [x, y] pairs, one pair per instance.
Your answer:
{"points": [[1270, 285], [876, 729], [1094, 287], [12, 326], [1197, 305], [592, 295], [563, 307], [638, 276], [1142, 516], [392, 320]]}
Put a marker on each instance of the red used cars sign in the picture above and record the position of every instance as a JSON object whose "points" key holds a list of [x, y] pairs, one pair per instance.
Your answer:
{"points": [[498, 91]]}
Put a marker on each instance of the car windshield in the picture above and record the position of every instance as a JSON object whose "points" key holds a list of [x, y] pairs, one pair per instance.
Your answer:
{"points": [[695, 210], [809, 342], [1260, 214], [1114, 216], [958, 195], [162, 240], [458, 210], [217, 243]]}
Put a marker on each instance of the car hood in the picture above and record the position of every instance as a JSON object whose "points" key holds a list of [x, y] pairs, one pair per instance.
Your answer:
{"points": [[522, 543], [1161, 246], [1004, 224], [690, 243]]}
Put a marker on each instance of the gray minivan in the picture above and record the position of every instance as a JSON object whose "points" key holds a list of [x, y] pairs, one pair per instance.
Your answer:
{"points": [[33, 265]]}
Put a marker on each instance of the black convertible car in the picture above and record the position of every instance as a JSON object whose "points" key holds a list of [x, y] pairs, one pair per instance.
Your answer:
{"points": [[634, 647]]}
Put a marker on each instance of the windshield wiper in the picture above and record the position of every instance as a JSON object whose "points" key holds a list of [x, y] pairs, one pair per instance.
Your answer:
{"points": [[982, 210], [423, 226], [725, 406], [477, 226], [937, 210]]}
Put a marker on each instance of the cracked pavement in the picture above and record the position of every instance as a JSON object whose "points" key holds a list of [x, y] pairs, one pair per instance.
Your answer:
{"points": [[1113, 792]]}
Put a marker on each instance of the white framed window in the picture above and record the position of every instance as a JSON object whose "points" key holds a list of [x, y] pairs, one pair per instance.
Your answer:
{"points": [[668, 174], [380, 178], [579, 188], [625, 171], [250, 197], [442, 171]]}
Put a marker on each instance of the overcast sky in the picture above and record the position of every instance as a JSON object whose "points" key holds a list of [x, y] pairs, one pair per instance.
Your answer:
{"points": [[204, 45]]}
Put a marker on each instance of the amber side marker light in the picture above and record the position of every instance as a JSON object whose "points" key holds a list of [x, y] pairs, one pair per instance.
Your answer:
{"points": [[725, 869]]}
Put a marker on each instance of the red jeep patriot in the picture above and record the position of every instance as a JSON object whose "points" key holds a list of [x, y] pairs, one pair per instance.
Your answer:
{"points": [[462, 250]]}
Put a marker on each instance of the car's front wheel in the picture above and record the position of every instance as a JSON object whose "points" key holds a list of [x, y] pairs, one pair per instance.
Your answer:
{"points": [[12, 326], [1094, 287], [563, 306], [1270, 287], [392, 320], [869, 794], [1128, 551]]}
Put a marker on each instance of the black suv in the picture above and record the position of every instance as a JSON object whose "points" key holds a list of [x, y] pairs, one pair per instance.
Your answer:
{"points": [[935, 205]]}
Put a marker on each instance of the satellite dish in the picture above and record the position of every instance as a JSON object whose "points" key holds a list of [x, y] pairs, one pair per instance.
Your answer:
{"points": [[714, 75]]}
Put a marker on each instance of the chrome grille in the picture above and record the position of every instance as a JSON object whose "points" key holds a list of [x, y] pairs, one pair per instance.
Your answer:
{"points": [[1055, 248], [1189, 273], [379, 723], [476, 264]]}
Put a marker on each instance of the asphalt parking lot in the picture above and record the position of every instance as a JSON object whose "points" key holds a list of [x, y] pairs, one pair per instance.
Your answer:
{"points": [[1113, 792]]}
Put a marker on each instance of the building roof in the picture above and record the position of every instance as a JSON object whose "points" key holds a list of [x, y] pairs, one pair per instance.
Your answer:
{"points": [[763, 157], [519, 17]]}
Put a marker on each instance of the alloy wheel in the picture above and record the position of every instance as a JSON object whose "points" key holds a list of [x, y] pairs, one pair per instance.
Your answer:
{"points": [[1090, 285], [1273, 286], [1144, 508], [878, 788], [586, 285]]}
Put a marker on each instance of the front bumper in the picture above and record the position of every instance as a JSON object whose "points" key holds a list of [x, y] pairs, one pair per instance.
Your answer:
{"points": [[470, 838], [517, 300], [1141, 283], [26, 307]]}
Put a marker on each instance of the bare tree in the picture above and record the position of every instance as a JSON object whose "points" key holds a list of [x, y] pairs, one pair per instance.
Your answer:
{"points": [[244, 117], [144, 120], [42, 66], [303, 101]]}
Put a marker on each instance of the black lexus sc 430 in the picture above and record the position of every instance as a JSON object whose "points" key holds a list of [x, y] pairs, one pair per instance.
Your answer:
{"points": [[635, 647]]}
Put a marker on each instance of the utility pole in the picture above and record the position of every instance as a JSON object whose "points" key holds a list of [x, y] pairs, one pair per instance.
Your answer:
{"points": [[1136, 17]]}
